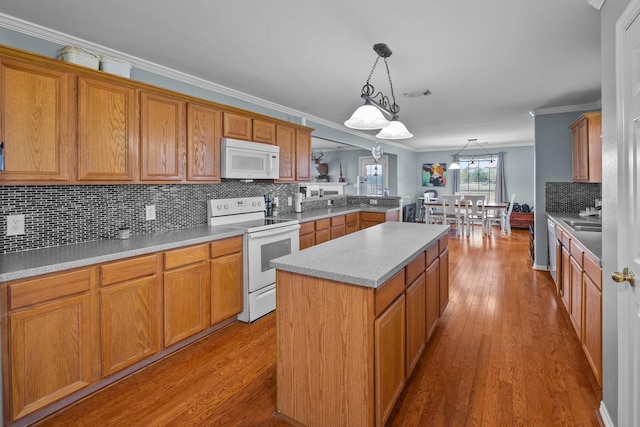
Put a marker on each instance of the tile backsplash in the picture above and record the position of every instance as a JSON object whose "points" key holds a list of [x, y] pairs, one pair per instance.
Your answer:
{"points": [[571, 197], [63, 214]]}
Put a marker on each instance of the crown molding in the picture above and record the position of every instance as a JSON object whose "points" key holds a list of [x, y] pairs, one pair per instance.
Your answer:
{"points": [[47, 34], [596, 3], [567, 109]]}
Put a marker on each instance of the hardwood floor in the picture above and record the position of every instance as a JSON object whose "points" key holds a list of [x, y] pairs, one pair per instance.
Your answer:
{"points": [[503, 353]]}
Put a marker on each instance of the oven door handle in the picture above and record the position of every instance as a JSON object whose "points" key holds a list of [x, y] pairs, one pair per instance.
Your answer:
{"points": [[267, 233]]}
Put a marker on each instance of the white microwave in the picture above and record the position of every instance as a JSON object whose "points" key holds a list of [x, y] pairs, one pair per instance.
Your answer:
{"points": [[249, 160]]}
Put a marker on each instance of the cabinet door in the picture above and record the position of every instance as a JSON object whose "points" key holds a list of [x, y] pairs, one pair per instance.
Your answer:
{"points": [[303, 155], [107, 131], [50, 353], [204, 130], [130, 323], [566, 278], [186, 302], [416, 322], [162, 137], [353, 224], [580, 151], [226, 287], [307, 240], [264, 131], [323, 236], [592, 342], [35, 122], [389, 358], [575, 305], [237, 126], [443, 291], [433, 302], [286, 140]]}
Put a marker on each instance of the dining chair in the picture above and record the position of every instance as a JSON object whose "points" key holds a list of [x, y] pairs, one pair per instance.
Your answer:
{"points": [[451, 213], [506, 218], [475, 211], [499, 217]]}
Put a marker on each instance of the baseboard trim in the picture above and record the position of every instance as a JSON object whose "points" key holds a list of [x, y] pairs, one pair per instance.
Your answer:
{"points": [[604, 415], [540, 267]]}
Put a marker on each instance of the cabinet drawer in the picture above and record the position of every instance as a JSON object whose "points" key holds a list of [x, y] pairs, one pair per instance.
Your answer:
{"points": [[120, 271], [337, 220], [48, 288], [577, 252], [388, 292], [372, 216], [566, 240], [593, 270], [432, 253], [226, 246], [322, 224], [307, 227], [443, 243], [416, 267], [185, 256], [352, 218]]}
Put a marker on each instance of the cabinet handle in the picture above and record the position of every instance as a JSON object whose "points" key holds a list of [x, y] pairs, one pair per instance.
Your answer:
{"points": [[1, 156]]}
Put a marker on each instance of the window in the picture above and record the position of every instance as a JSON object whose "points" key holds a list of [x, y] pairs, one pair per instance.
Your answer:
{"points": [[480, 179], [376, 176]]}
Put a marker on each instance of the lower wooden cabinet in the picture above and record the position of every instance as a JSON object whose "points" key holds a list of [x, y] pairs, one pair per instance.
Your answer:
{"points": [[443, 291], [50, 344], [575, 303], [226, 279], [592, 327], [352, 223], [566, 277], [323, 230], [307, 234], [416, 301], [390, 374], [338, 226], [186, 293]]}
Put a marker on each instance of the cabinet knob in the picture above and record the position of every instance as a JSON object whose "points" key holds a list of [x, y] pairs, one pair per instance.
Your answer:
{"points": [[626, 276]]}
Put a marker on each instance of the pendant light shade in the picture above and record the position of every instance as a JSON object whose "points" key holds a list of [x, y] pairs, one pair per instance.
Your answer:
{"points": [[367, 117], [454, 165], [395, 130]]}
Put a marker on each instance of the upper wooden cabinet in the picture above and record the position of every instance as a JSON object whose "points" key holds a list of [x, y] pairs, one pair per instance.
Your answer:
{"points": [[303, 155], [286, 140], [162, 137], [107, 130], [204, 130], [587, 148], [35, 121], [264, 131], [237, 126]]}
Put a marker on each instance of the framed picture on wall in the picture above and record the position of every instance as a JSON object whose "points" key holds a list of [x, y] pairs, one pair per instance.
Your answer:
{"points": [[434, 174]]}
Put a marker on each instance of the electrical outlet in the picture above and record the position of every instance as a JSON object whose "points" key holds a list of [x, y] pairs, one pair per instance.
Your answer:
{"points": [[289, 201], [15, 225], [150, 212], [329, 202], [373, 202]]}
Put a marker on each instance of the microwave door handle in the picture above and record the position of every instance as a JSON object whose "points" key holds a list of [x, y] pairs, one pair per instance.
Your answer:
{"points": [[270, 163]]}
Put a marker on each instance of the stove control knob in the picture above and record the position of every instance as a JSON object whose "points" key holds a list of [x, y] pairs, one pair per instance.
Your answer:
{"points": [[259, 203], [253, 204], [219, 207], [226, 206]]}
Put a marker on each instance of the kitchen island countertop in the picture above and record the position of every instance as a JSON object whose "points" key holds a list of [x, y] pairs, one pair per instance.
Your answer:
{"points": [[368, 258], [19, 265], [328, 212]]}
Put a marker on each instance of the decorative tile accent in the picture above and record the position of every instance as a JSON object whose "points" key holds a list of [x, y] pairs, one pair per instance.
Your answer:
{"points": [[66, 214], [571, 197]]}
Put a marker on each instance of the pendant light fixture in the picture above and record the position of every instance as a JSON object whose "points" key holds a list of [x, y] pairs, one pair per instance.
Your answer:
{"points": [[473, 164], [370, 115]]}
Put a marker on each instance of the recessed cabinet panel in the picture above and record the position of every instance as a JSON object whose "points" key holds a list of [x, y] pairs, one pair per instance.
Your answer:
{"points": [[35, 122], [303, 155], [237, 126], [286, 140], [204, 130], [107, 131]]}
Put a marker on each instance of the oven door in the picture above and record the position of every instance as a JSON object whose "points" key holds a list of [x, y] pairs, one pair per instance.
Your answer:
{"points": [[262, 247]]}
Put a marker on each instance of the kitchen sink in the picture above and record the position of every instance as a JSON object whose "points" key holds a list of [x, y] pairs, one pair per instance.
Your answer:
{"points": [[584, 225]]}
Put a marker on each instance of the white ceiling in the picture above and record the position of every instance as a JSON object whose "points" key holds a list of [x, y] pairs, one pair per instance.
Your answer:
{"points": [[487, 63]]}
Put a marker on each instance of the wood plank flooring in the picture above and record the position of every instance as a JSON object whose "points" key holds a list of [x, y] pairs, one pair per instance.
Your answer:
{"points": [[503, 353]]}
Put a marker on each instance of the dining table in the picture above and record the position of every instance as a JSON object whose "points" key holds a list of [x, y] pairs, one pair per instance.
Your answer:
{"points": [[498, 207]]}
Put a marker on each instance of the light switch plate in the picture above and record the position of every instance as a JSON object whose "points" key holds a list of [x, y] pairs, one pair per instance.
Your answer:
{"points": [[150, 212], [15, 225]]}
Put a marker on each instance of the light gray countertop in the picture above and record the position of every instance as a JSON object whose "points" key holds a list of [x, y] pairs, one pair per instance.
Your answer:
{"points": [[368, 258], [19, 265], [591, 240], [328, 212]]}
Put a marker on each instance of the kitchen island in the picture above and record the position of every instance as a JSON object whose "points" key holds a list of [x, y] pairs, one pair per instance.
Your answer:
{"points": [[353, 317]]}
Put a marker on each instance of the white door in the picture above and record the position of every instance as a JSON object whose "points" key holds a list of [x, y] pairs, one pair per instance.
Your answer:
{"points": [[628, 90]]}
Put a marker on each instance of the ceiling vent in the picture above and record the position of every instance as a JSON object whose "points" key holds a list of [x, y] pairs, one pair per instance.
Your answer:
{"points": [[417, 93]]}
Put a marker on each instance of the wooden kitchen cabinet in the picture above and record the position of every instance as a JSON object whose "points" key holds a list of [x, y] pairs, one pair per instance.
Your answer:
{"points": [[432, 300], [338, 226], [226, 279], [566, 278], [50, 345], [390, 374], [352, 223], [186, 293], [130, 301], [587, 148], [443, 291], [264, 131], [237, 126], [162, 137], [204, 130], [323, 230], [286, 140], [369, 219], [416, 321], [303, 155], [36, 121], [307, 234], [107, 130]]}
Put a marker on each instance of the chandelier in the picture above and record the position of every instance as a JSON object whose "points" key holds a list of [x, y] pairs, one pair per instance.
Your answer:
{"points": [[473, 164], [369, 116]]}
